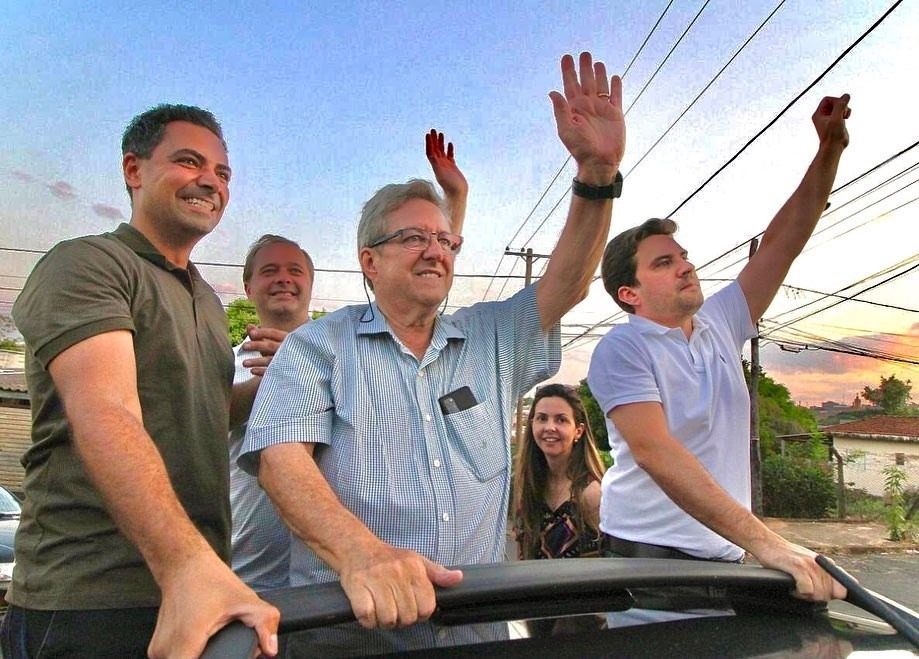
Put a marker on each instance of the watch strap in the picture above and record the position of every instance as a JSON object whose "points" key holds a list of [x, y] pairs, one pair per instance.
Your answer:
{"points": [[611, 191]]}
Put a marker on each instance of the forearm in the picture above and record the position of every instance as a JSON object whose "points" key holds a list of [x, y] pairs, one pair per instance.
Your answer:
{"points": [[793, 224], [575, 258], [690, 486], [126, 468], [333, 532], [456, 205], [241, 400]]}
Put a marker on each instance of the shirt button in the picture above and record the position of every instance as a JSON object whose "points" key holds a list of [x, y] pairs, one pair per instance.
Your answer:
{"points": [[421, 373], [445, 517], [427, 417], [436, 463]]}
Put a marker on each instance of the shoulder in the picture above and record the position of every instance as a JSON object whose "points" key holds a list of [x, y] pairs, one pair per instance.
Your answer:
{"points": [[523, 300], [623, 341], [590, 497]]}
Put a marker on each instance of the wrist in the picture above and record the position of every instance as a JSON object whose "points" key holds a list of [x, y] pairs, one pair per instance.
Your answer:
{"points": [[597, 174], [604, 191]]}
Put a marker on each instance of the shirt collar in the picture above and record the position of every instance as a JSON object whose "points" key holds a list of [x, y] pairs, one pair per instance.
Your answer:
{"points": [[444, 327], [646, 326], [140, 245]]}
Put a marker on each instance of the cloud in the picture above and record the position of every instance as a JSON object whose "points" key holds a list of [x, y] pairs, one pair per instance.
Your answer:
{"points": [[62, 190], [813, 375], [228, 289], [23, 176], [108, 212]]}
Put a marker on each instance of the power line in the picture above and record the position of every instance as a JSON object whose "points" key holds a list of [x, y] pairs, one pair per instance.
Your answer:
{"points": [[844, 299], [786, 108], [705, 89], [667, 56], [565, 164]]}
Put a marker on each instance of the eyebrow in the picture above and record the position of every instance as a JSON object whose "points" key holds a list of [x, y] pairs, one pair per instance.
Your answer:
{"points": [[200, 156], [658, 259]]}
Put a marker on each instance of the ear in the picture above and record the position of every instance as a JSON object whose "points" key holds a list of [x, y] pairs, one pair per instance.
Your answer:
{"points": [[629, 295], [248, 290], [580, 432], [130, 165], [367, 259]]}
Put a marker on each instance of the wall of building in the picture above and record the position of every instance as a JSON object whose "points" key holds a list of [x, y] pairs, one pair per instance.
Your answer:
{"points": [[15, 427], [869, 457]]}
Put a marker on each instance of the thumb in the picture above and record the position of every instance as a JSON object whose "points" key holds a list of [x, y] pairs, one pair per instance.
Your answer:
{"points": [[441, 576], [560, 108]]}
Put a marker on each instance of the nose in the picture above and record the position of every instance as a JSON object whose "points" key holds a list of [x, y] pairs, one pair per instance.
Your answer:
{"points": [[208, 178], [434, 249], [686, 268]]}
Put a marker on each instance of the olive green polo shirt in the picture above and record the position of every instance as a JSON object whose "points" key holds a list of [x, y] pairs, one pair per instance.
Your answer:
{"points": [[69, 553]]}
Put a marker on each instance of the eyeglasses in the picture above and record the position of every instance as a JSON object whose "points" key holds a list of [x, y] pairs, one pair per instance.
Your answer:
{"points": [[418, 240]]}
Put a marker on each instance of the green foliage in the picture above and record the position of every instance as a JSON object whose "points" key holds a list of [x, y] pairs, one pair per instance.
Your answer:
{"points": [[798, 488], [899, 525], [316, 315], [595, 416], [240, 314], [778, 413], [860, 504], [892, 396], [11, 345], [607, 459]]}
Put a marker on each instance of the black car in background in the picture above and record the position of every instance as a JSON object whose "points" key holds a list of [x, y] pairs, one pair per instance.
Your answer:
{"points": [[595, 608], [10, 510]]}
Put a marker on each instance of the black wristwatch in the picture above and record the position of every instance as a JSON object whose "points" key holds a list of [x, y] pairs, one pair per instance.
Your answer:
{"points": [[611, 191]]}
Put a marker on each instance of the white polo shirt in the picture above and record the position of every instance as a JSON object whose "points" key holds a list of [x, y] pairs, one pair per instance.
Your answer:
{"points": [[700, 384]]}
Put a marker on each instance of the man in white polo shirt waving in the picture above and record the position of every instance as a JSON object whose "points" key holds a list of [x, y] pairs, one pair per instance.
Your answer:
{"points": [[671, 385]]}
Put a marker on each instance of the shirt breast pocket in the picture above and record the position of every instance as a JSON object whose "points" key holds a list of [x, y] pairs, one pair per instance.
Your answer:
{"points": [[476, 435]]}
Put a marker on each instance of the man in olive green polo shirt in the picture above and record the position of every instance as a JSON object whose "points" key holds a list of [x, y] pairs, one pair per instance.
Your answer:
{"points": [[124, 539]]}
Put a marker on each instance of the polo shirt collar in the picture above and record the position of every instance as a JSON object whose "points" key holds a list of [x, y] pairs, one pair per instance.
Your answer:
{"points": [[646, 326], [140, 245]]}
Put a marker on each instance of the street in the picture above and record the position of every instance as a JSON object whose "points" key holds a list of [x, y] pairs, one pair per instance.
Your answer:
{"points": [[896, 576]]}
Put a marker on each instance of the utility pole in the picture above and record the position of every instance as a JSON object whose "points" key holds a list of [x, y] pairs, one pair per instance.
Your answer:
{"points": [[529, 258], [756, 467]]}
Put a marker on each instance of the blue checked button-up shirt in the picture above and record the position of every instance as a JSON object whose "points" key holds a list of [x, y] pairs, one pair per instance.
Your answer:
{"points": [[261, 540], [418, 478]]}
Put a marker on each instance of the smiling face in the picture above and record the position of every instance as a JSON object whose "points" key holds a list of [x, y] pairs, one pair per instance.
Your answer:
{"points": [[280, 286], [668, 290], [555, 428], [403, 278], [180, 192]]}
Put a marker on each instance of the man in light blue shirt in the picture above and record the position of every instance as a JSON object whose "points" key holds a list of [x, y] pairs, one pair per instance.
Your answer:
{"points": [[382, 433]]}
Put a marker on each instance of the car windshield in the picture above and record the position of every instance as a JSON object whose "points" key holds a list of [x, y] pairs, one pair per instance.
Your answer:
{"points": [[8, 503], [588, 607]]}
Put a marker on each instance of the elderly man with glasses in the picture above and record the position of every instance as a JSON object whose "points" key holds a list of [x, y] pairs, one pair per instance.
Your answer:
{"points": [[382, 432]]}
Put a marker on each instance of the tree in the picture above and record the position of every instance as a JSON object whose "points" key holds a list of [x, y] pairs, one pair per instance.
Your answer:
{"points": [[892, 396], [595, 416], [240, 314], [778, 413], [11, 345]]}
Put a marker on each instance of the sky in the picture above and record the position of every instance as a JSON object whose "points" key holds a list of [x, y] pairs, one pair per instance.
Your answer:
{"points": [[323, 103]]}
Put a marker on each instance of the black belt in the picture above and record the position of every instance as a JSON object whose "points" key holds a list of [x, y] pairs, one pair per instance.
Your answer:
{"points": [[631, 549]]}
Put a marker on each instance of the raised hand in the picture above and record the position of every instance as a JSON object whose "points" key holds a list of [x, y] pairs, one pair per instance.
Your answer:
{"points": [[830, 120], [590, 120], [448, 175]]}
